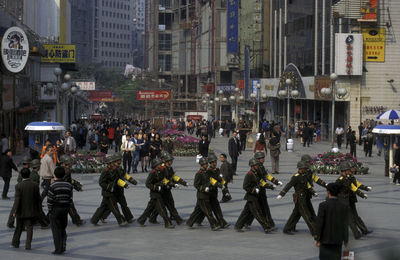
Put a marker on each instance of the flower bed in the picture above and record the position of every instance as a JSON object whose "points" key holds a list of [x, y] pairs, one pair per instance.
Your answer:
{"points": [[88, 162], [328, 163], [184, 145]]}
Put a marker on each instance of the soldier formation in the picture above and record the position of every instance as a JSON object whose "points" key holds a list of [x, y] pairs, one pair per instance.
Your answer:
{"points": [[207, 181]]}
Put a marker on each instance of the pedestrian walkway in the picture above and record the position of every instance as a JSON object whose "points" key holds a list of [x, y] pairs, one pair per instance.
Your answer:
{"points": [[380, 213]]}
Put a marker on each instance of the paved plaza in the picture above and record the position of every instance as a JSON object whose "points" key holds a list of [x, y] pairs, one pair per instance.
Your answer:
{"points": [[109, 241]]}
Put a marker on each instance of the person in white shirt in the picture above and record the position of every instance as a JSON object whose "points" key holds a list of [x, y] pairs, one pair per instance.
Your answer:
{"points": [[339, 135], [4, 143], [127, 147]]}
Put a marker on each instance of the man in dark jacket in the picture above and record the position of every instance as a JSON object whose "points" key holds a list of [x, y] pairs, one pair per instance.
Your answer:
{"points": [[27, 208], [234, 150], [331, 228], [6, 167], [227, 174]]}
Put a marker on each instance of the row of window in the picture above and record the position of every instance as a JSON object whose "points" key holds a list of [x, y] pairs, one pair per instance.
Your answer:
{"points": [[115, 15], [113, 35], [115, 45], [114, 54], [115, 4], [113, 63], [114, 25]]}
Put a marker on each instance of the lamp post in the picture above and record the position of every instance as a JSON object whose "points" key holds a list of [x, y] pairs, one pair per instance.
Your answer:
{"points": [[236, 97], [287, 93], [219, 100], [57, 72]]}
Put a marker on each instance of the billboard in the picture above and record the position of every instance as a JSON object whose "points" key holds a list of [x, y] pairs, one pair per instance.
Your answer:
{"points": [[60, 53], [99, 95], [233, 26], [348, 54], [14, 49], [89, 85], [374, 44], [154, 95]]}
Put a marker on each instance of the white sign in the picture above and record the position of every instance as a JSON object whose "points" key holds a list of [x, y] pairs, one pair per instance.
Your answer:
{"points": [[15, 49], [348, 54], [91, 85]]}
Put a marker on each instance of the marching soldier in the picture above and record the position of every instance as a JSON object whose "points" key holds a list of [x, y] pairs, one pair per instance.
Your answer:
{"points": [[312, 177], [66, 162], [203, 206], [155, 182], [301, 185], [264, 177], [353, 200], [251, 184], [107, 181], [348, 194], [174, 180]]}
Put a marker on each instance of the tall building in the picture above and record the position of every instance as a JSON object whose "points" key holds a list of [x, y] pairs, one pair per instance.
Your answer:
{"points": [[138, 32]]}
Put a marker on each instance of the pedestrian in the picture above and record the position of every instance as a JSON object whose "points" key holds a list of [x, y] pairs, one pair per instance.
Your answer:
{"points": [[307, 135], [49, 144], [243, 131], [127, 147], [274, 147], [227, 174], [145, 152], [158, 145], [168, 145], [104, 142], [27, 205], [117, 139], [234, 150], [59, 200], [332, 226], [94, 140], [136, 153], [396, 163], [59, 149], [69, 144], [339, 135], [203, 146], [353, 144], [6, 167], [261, 145], [111, 135], [3, 144], [368, 143], [46, 172], [360, 131], [348, 136]]}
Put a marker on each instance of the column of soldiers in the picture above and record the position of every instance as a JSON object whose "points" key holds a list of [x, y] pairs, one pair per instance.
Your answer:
{"points": [[207, 181]]}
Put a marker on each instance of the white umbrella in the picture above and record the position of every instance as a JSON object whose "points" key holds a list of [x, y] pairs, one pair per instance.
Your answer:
{"points": [[390, 115]]}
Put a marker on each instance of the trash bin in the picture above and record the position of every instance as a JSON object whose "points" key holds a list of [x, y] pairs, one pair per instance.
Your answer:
{"points": [[290, 145]]}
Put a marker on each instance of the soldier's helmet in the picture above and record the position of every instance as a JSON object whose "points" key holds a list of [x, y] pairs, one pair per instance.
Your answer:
{"points": [[306, 158], [259, 155], [155, 163], [301, 165], [35, 163], [164, 155], [253, 162], [203, 161], [64, 159], [118, 157], [344, 166], [169, 157], [26, 160], [108, 159], [212, 158]]}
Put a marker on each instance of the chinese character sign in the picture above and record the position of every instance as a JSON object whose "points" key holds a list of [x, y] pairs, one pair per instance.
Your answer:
{"points": [[233, 26], [374, 44], [63, 53], [154, 95]]}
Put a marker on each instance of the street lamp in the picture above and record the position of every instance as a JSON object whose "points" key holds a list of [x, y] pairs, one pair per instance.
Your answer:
{"points": [[236, 97], [220, 99], [287, 93], [57, 72], [339, 93]]}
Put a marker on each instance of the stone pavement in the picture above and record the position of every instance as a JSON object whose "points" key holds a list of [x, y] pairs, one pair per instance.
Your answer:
{"points": [[108, 241]]}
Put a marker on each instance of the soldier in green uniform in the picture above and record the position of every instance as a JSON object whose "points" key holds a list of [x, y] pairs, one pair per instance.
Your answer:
{"points": [[172, 180], [66, 162], [301, 185], [353, 200], [347, 195], [203, 206], [155, 183], [312, 177], [107, 181], [264, 177], [252, 186]]}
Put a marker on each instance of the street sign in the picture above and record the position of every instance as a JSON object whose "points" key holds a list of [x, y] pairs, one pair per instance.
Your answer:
{"points": [[86, 85], [15, 49], [154, 95], [61, 53]]}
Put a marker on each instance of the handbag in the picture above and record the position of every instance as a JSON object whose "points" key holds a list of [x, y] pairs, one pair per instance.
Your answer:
{"points": [[348, 255]]}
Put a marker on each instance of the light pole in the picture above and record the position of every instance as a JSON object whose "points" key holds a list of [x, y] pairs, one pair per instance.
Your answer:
{"points": [[57, 72], [236, 97], [219, 100], [287, 94], [206, 101]]}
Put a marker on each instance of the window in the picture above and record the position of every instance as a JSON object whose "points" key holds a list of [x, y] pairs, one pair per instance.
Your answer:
{"points": [[95, 53], [164, 42], [164, 62]]}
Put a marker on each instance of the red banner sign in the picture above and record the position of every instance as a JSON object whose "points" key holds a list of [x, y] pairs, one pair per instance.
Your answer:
{"points": [[100, 95], [241, 84], [154, 95]]}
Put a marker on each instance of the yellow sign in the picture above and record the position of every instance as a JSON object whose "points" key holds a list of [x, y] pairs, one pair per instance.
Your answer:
{"points": [[374, 44], [61, 53]]}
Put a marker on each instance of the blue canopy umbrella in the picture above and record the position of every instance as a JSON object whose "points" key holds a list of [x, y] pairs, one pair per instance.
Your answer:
{"points": [[390, 115]]}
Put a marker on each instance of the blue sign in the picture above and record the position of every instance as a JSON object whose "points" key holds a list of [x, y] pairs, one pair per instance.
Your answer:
{"points": [[226, 87], [254, 89], [246, 71], [233, 26]]}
